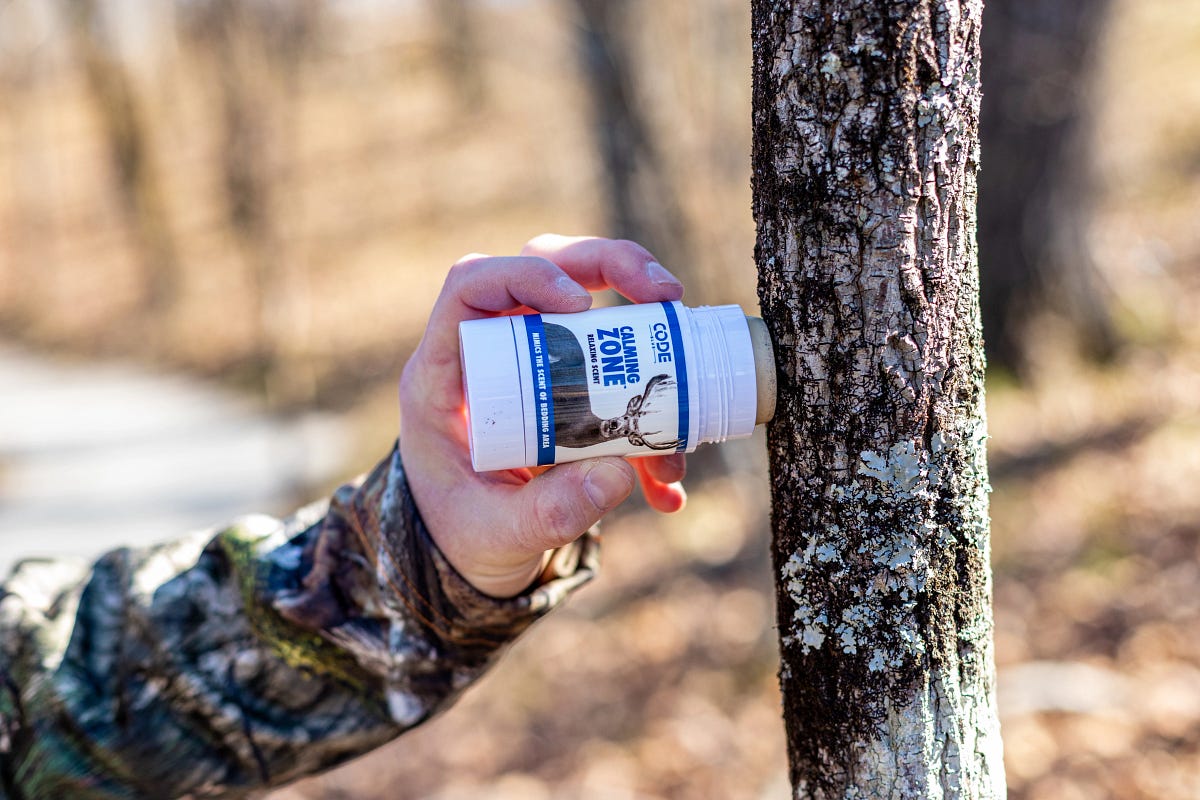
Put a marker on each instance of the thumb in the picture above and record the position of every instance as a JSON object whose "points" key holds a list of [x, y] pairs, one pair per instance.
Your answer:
{"points": [[557, 506]]}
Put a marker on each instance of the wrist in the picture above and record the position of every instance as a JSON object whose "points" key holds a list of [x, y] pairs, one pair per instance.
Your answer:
{"points": [[503, 583]]}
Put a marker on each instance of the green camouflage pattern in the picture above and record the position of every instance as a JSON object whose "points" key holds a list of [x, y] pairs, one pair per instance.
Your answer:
{"points": [[247, 657]]}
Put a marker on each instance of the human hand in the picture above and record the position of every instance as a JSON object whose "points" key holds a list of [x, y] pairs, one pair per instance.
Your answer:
{"points": [[497, 527]]}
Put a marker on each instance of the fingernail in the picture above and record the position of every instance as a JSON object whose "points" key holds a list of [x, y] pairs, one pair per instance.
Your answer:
{"points": [[606, 485], [567, 285], [682, 494], [658, 274]]}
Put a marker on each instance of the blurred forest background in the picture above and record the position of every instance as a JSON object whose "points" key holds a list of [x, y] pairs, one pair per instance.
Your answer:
{"points": [[267, 194]]}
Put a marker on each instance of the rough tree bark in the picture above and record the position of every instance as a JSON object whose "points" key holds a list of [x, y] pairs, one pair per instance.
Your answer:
{"points": [[865, 157]]}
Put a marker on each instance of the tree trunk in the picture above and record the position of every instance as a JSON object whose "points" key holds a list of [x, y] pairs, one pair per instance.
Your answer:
{"points": [[256, 53], [1038, 191], [642, 202], [458, 45], [865, 156], [126, 133]]}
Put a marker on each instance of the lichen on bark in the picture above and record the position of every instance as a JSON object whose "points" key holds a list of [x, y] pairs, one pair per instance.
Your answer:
{"points": [[865, 156]]}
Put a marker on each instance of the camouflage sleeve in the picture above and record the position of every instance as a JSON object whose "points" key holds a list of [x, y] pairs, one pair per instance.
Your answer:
{"points": [[234, 661]]}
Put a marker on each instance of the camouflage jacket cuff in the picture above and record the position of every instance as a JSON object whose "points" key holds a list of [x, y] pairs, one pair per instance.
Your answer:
{"points": [[412, 584], [568, 568], [462, 616]]}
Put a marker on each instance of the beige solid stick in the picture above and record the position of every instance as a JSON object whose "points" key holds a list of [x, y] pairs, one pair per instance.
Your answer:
{"points": [[764, 369]]}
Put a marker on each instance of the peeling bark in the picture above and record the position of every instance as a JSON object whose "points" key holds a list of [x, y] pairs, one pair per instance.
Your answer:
{"points": [[865, 157]]}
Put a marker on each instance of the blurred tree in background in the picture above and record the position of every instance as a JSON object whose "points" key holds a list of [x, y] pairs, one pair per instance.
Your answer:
{"points": [[642, 203], [254, 54], [122, 120], [1038, 188], [459, 46]]}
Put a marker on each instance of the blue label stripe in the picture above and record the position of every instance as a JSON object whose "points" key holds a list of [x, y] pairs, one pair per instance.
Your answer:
{"points": [[543, 393], [681, 374]]}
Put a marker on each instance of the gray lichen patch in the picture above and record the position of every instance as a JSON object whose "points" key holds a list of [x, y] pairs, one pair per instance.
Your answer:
{"points": [[876, 547], [901, 470]]}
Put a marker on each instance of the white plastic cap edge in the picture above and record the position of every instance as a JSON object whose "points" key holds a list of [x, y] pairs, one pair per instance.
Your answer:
{"points": [[492, 385]]}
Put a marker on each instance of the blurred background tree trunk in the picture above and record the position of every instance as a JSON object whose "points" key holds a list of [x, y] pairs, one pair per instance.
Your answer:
{"points": [[865, 159], [116, 105], [28, 227], [256, 52], [1037, 189], [641, 197], [458, 47]]}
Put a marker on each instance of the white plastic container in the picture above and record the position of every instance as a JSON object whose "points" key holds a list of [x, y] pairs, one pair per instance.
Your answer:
{"points": [[626, 381]]}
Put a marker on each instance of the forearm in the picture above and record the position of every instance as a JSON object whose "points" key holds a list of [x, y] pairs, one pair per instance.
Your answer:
{"points": [[248, 658]]}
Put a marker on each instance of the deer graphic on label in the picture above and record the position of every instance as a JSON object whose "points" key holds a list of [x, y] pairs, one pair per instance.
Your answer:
{"points": [[576, 424]]}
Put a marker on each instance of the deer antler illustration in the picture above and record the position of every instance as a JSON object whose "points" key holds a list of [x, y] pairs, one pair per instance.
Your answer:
{"points": [[634, 412]]}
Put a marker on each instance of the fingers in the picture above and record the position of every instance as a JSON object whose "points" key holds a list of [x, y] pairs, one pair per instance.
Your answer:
{"points": [[666, 469], [562, 502], [602, 263], [497, 535], [556, 507], [553, 274], [665, 496], [481, 286]]}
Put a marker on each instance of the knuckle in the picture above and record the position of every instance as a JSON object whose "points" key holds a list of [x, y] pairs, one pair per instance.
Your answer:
{"points": [[536, 243], [554, 517], [547, 266], [632, 250], [412, 404], [465, 266]]}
